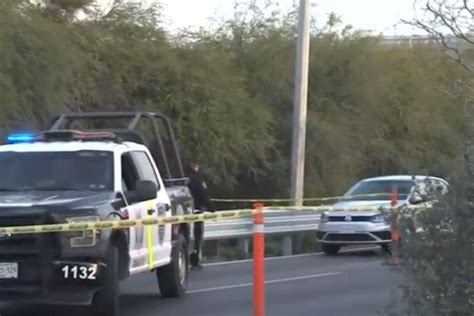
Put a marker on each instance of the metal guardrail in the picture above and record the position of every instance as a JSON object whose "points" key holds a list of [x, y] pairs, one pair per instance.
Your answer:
{"points": [[276, 222]]}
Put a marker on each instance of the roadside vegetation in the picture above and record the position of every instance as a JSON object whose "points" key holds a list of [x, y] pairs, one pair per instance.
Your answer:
{"points": [[373, 108], [438, 264]]}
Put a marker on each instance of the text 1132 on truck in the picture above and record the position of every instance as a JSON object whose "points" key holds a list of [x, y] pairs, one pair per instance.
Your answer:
{"points": [[85, 169]]}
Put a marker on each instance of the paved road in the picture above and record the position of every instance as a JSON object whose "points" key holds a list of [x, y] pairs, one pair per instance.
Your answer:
{"points": [[350, 284]]}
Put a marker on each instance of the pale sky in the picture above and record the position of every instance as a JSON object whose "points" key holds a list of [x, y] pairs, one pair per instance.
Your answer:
{"points": [[380, 16]]}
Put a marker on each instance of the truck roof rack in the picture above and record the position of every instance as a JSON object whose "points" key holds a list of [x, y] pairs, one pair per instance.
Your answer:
{"points": [[72, 135], [163, 148]]}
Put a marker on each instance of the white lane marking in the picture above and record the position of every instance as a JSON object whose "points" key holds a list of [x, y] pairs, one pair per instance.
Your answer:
{"points": [[266, 259], [235, 286], [286, 257]]}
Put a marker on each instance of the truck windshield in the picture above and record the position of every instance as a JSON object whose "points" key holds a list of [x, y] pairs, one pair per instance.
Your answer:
{"points": [[56, 171], [378, 190]]}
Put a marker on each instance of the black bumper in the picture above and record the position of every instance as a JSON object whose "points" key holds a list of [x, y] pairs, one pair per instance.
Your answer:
{"points": [[46, 283]]}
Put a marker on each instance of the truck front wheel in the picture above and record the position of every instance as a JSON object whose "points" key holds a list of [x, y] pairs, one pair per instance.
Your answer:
{"points": [[106, 301], [173, 278]]}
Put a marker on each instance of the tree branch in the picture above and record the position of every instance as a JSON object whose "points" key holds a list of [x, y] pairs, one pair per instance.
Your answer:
{"points": [[451, 24], [468, 9], [441, 41], [444, 18]]}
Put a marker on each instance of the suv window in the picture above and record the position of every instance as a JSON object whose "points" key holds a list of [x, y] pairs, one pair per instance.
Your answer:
{"points": [[137, 166], [129, 173], [144, 167], [374, 190]]}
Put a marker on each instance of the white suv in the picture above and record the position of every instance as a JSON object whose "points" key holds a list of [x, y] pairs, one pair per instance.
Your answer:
{"points": [[345, 226]]}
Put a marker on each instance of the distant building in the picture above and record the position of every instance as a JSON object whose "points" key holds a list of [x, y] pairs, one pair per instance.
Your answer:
{"points": [[450, 40]]}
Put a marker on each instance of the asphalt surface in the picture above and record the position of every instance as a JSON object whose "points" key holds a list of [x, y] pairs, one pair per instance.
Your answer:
{"points": [[355, 283]]}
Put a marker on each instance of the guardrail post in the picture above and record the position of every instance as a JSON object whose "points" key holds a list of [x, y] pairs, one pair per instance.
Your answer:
{"points": [[395, 230], [287, 245], [244, 245], [259, 262]]}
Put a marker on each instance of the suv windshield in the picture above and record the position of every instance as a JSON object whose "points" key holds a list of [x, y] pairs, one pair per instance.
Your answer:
{"points": [[378, 190], [56, 171]]}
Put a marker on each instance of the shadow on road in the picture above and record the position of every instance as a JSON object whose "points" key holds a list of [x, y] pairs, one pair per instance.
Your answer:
{"points": [[362, 253], [129, 302], [43, 311]]}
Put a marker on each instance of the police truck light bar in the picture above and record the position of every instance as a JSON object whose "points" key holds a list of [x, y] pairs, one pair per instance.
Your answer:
{"points": [[61, 135], [21, 138]]}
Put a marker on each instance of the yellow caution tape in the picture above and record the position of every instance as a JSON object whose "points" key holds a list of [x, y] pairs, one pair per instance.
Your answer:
{"points": [[149, 236], [124, 224], [321, 209], [304, 200]]}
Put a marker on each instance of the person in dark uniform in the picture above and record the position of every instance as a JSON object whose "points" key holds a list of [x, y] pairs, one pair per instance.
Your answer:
{"points": [[202, 203]]}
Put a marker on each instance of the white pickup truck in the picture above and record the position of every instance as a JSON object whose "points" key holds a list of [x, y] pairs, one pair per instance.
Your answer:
{"points": [[70, 174]]}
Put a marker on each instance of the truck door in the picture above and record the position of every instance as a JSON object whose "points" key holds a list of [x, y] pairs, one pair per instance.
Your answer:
{"points": [[148, 246]]}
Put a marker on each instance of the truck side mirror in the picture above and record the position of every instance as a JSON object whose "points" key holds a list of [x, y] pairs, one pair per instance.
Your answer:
{"points": [[144, 190]]}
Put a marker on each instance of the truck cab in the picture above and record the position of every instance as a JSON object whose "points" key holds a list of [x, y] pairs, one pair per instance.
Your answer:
{"points": [[85, 174]]}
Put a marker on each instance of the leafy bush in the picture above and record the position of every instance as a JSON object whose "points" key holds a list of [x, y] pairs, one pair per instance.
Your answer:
{"points": [[438, 264]]}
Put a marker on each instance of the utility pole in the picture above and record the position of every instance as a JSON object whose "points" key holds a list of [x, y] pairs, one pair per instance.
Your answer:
{"points": [[300, 104]]}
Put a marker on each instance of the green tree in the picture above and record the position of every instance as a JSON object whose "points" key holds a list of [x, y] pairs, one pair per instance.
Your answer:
{"points": [[229, 92]]}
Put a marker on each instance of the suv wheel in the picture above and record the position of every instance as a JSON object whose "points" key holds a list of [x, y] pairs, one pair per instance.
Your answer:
{"points": [[173, 278], [386, 248], [106, 301], [330, 249]]}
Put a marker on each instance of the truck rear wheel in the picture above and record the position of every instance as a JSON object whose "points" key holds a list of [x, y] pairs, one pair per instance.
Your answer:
{"points": [[106, 301], [173, 278]]}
